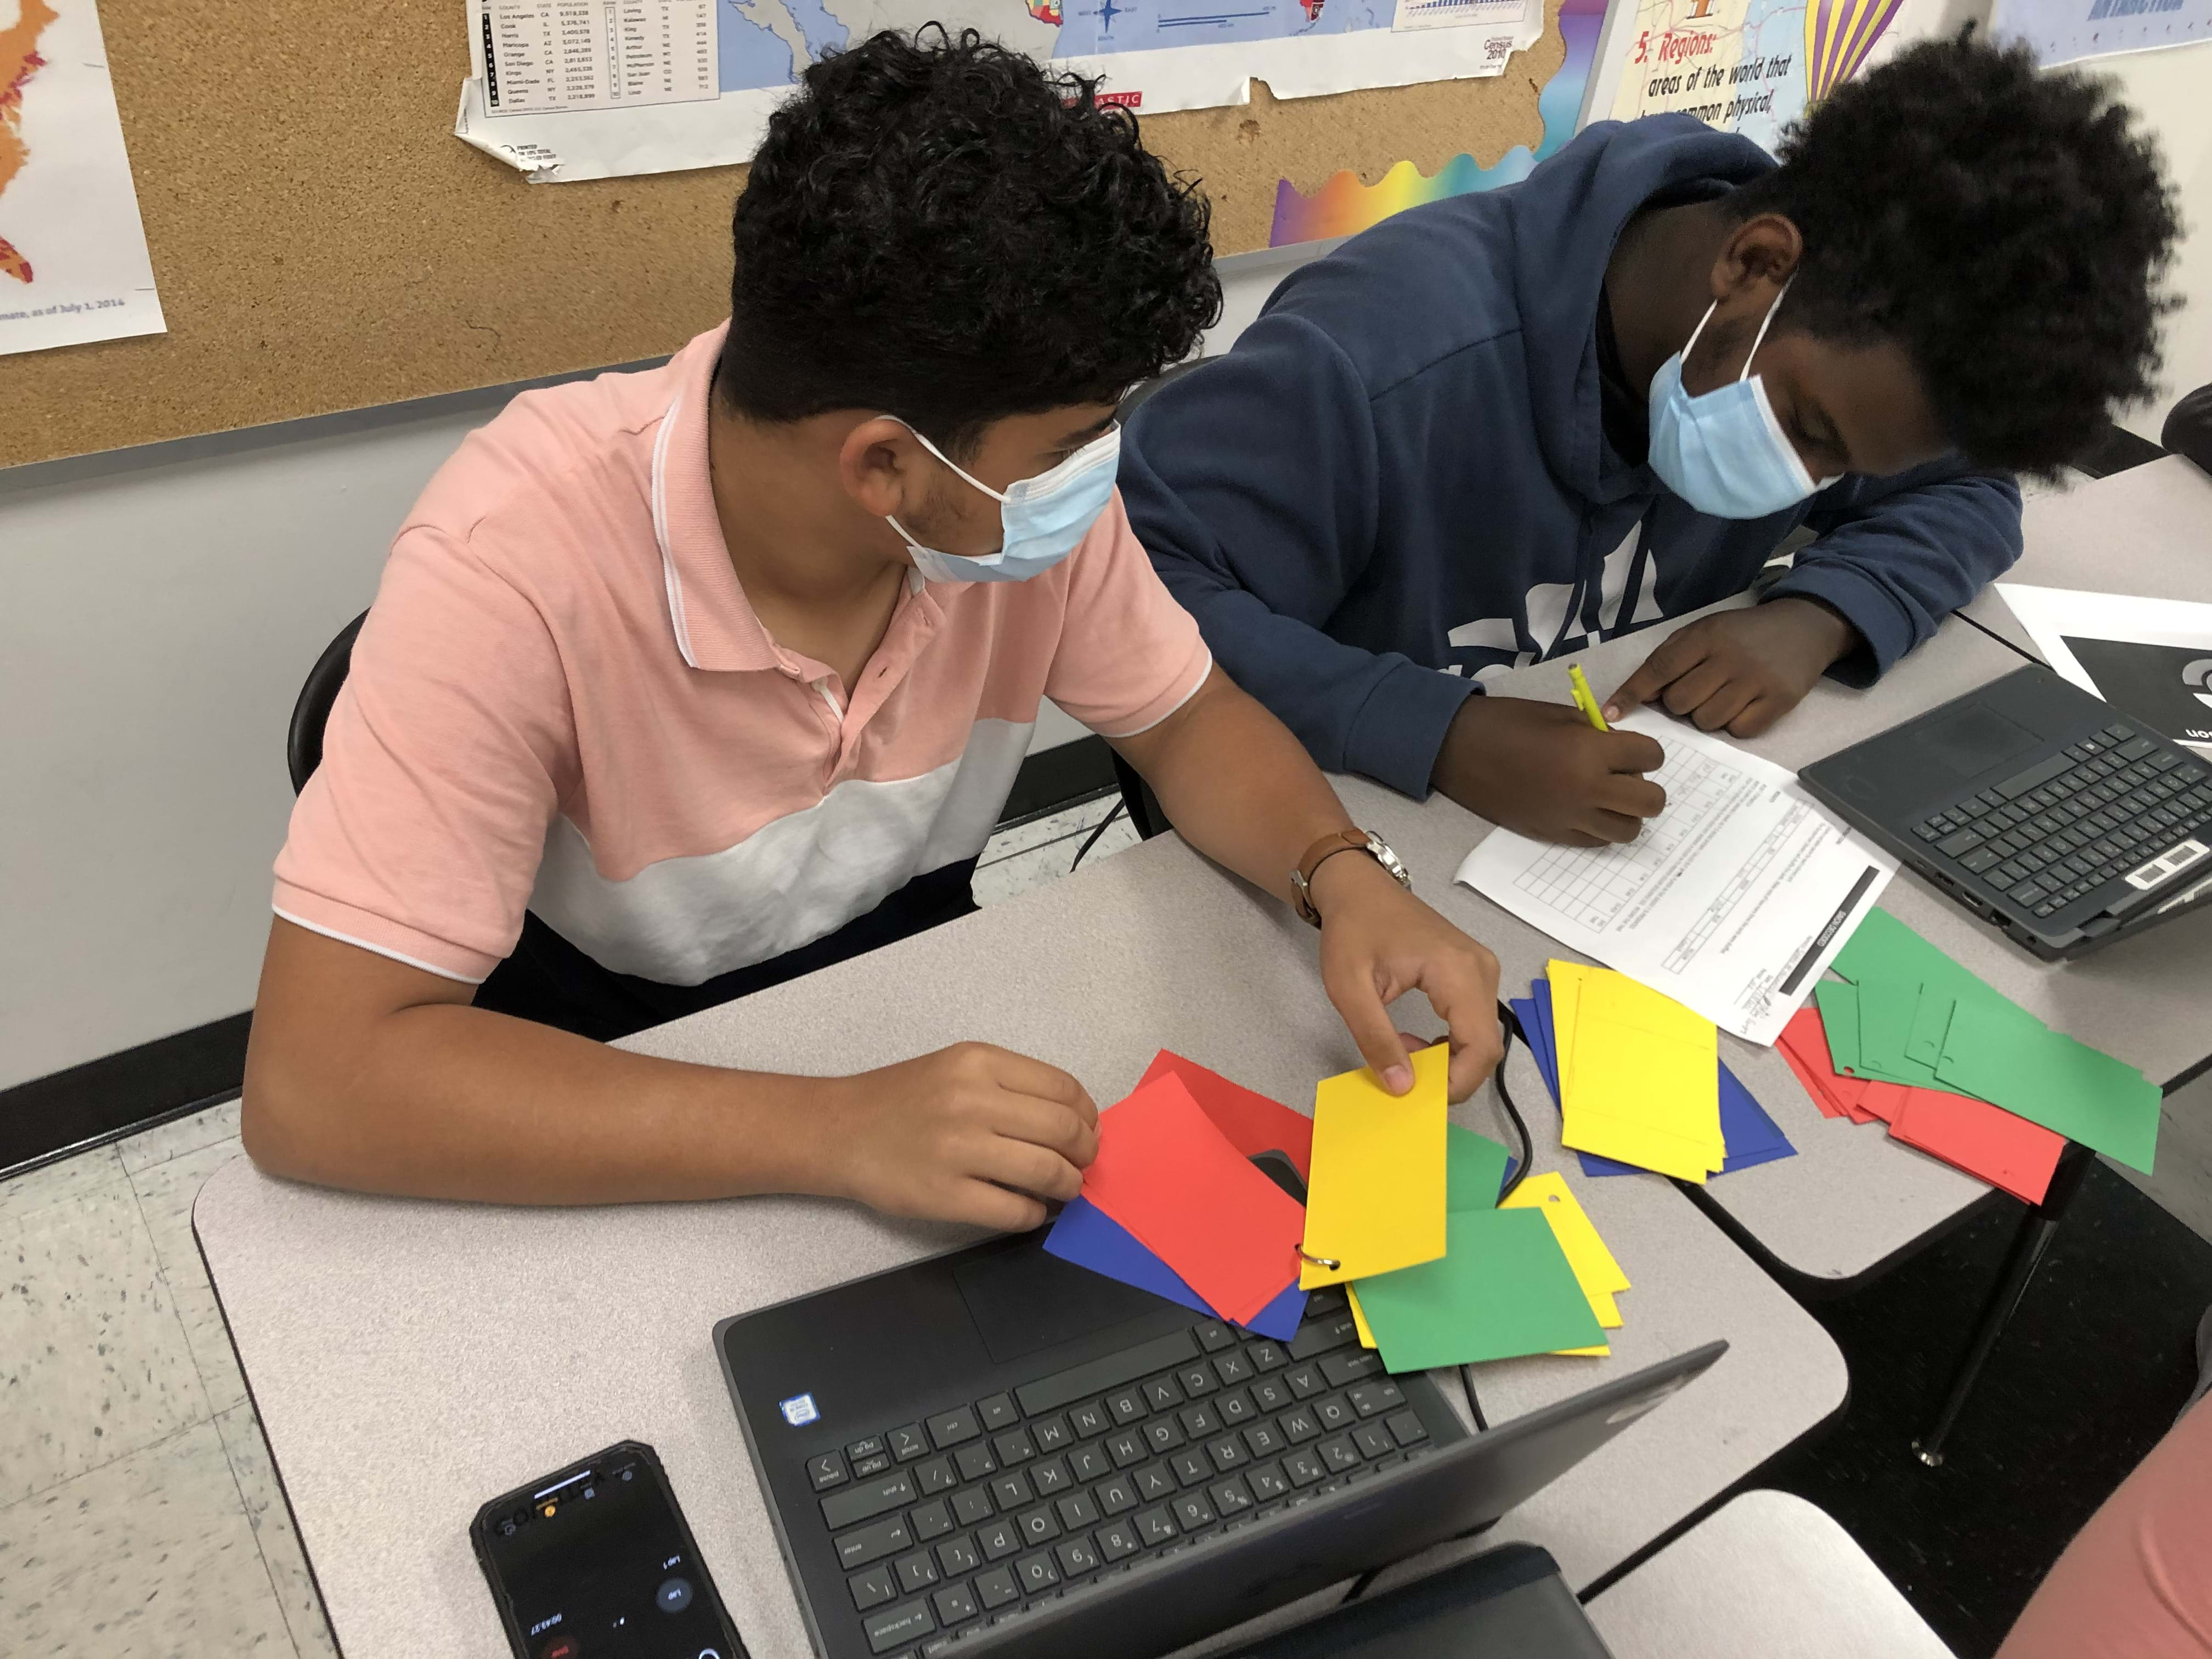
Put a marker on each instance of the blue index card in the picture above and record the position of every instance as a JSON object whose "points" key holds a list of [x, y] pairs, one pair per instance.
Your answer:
{"points": [[1088, 1237], [1753, 1137]]}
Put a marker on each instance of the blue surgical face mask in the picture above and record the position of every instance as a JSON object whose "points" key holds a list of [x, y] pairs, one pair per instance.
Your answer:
{"points": [[1723, 452], [1043, 518]]}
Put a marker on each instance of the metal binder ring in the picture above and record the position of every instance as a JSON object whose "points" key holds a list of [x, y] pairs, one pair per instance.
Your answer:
{"points": [[1329, 1262]]}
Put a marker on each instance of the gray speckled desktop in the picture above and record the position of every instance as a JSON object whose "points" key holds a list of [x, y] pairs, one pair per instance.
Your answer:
{"points": [[1765, 1577], [1852, 1198], [2147, 532], [411, 1359]]}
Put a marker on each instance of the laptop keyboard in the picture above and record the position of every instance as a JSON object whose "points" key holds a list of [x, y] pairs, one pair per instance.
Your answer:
{"points": [[974, 1514], [2062, 829]]}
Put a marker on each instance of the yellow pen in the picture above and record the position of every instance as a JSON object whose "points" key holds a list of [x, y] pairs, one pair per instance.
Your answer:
{"points": [[1584, 700]]}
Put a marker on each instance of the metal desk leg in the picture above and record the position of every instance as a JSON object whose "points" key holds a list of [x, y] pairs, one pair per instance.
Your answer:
{"points": [[2028, 1244]]}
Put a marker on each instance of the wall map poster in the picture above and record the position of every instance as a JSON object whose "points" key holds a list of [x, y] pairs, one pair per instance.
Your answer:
{"points": [[1746, 66], [565, 90]]}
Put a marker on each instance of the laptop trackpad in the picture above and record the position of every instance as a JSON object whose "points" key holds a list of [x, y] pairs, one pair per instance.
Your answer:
{"points": [[1973, 739], [1023, 1300]]}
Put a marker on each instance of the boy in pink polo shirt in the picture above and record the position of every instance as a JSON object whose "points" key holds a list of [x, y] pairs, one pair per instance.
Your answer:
{"points": [[684, 682]]}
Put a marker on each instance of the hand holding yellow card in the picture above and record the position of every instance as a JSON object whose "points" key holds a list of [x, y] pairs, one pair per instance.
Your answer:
{"points": [[1375, 1202]]}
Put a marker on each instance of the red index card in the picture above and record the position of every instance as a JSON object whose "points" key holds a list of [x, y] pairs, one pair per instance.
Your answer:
{"points": [[1804, 1045], [1882, 1100], [1253, 1122], [1169, 1175], [1982, 1140]]}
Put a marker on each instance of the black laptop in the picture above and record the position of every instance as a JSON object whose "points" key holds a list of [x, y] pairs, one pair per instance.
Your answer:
{"points": [[2038, 807], [996, 1452]]}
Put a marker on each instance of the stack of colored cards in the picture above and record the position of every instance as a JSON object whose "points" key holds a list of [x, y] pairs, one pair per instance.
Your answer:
{"points": [[1750, 1135], [1528, 1276], [1404, 1208], [1638, 1074], [1908, 1036], [1172, 1205]]}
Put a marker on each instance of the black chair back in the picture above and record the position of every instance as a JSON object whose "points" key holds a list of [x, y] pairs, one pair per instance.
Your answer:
{"points": [[303, 743]]}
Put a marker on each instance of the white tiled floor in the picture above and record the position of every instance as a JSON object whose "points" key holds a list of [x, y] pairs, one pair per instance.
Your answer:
{"points": [[139, 1512], [140, 1517], [1041, 851]]}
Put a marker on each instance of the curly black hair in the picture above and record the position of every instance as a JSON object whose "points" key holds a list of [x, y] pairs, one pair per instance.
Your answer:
{"points": [[2008, 227], [939, 229]]}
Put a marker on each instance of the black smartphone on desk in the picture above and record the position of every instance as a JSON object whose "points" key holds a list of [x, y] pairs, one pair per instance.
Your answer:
{"points": [[595, 1561]]}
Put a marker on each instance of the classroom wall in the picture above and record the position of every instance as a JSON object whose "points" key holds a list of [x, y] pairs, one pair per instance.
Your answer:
{"points": [[2174, 91], [158, 612], [2169, 90]]}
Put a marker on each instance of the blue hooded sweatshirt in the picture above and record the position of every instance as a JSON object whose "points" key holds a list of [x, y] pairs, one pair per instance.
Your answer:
{"points": [[1400, 476]]}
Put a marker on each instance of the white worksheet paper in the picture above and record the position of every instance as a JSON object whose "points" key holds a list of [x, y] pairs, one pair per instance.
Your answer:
{"points": [[1732, 901]]}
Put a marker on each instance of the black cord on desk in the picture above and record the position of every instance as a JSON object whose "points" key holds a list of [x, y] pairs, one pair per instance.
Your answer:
{"points": [[1509, 1028], [1474, 1405]]}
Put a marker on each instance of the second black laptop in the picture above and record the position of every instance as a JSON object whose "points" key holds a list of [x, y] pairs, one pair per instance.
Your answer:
{"points": [[2038, 807]]}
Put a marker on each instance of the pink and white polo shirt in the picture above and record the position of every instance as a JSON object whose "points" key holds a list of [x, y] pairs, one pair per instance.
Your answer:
{"points": [[563, 701]]}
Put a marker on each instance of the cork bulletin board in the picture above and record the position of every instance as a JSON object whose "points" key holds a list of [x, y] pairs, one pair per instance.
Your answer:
{"points": [[323, 242]]}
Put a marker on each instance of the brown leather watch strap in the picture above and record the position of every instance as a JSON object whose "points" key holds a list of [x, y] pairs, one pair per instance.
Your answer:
{"points": [[1341, 841]]}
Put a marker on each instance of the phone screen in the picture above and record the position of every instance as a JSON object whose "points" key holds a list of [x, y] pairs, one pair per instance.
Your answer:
{"points": [[596, 1563]]}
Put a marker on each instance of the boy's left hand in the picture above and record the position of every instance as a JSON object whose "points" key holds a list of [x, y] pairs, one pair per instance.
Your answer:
{"points": [[1743, 670], [1378, 942]]}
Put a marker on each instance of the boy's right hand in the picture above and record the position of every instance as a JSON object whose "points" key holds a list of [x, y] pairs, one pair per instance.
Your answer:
{"points": [[971, 1133], [1543, 769]]}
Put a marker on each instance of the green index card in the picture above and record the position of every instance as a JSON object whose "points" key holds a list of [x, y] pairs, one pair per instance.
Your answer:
{"points": [[1839, 1018], [1885, 1010], [1503, 1288], [1931, 1018], [1882, 947], [1885, 952], [1475, 1168], [2008, 1056]]}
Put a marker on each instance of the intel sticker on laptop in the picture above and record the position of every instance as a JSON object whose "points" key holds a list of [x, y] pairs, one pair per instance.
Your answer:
{"points": [[800, 1410]]}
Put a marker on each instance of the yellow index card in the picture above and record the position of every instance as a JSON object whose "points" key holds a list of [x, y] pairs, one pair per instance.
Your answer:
{"points": [[1358, 1316], [1567, 980], [1644, 1072], [1376, 1200]]}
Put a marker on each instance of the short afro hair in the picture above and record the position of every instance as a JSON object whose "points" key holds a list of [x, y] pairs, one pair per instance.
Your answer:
{"points": [[2008, 227], [939, 229]]}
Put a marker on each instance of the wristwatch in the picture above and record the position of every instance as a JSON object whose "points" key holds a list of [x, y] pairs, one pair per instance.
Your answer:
{"points": [[1343, 840]]}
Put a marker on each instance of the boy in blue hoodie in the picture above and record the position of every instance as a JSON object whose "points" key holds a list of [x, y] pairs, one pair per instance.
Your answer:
{"points": [[1492, 429]]}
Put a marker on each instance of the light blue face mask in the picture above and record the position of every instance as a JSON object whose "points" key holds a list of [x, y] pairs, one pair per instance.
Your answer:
{"points": [[1723, 452], [1043, 518]]}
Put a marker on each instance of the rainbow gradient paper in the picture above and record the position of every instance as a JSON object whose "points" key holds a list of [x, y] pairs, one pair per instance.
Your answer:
{"points": [[1343, 206]]}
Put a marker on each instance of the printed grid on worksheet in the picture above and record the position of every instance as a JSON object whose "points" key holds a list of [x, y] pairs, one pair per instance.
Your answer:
{"points": [[1592, 885]]}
